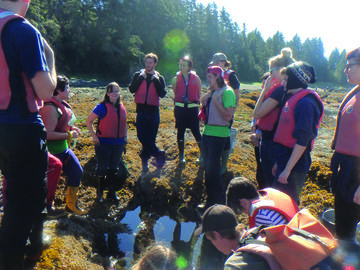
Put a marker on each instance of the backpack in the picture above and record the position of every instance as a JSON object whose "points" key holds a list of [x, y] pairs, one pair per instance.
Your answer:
{"points": [[302, 244]]}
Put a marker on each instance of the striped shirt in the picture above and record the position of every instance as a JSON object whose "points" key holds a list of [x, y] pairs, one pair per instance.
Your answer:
{"points": [[269, 217]]}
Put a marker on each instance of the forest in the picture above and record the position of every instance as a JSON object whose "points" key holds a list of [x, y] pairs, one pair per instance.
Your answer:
{"points": [[107, 39]]}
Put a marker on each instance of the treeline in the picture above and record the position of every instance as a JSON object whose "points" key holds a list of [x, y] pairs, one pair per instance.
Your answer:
{"points": [[108, 39]]}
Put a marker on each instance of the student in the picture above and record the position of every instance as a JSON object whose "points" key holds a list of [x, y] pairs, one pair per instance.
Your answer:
{"points": [[59, 122], [187, 90], [231, 79], [264, 207], [221, 103], [267, 110], [148, 86], [297, 128], [157, 257], [110, 138], [27, 76], [345, 161], [220, 226]]}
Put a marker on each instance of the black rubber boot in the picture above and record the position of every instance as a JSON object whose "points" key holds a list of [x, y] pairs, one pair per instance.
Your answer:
{"points": [[160, 159], [224, 160], [111, 195], [100, 189], [200, 160], [181, 144]]}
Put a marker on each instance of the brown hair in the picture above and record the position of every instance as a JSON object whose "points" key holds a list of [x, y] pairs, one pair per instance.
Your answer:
{"points": [[61, 83], [283, 59], [230, 234], [157, 257], [188, 60], [109, 89], [354, 54], [152, 56]]}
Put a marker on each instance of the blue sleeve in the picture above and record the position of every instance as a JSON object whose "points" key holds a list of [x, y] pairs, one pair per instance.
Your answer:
{"points": [[100, 110], [278, 94], [24, 47], [307, 115]]}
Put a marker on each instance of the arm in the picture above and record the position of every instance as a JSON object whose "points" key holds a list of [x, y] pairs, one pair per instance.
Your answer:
{"points": [[159, 84], [235, 85], [136, 81], [89, 123], [260, 112], [264, 108], [206, 97], [50, 117], [296, 154]]}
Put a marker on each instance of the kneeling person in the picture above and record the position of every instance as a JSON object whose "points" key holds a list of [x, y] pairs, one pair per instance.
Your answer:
{"points": [[265, 207]]}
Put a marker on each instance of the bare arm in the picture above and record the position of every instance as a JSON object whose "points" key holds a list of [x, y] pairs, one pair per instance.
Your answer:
{"points": [[265, 108], [89, 123], [50, 117], [45, 82], [259, 110], [296, 154]]}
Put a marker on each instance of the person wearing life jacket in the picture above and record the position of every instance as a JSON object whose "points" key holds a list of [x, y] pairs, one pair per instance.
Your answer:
{"points": [[267, 111], [345, 181], [187, 90], [59, 122], [297, 128], [268, 206], [221, 104], [28, 76], [110, 138], [148, 86], [231, 79], [220, 226]]}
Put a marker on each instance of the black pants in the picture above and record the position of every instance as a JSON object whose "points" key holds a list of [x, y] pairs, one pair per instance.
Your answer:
{"points": [[23, 161], [187, 118]]}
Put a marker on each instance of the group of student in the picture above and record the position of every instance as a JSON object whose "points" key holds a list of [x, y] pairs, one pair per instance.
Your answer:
{"points": [[287, 114]]}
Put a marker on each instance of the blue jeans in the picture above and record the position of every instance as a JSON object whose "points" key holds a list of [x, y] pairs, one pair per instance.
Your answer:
{"points": [[147, 125], [23, 161], [108, 156], [71, 167], [267, 160], [213, 148]]}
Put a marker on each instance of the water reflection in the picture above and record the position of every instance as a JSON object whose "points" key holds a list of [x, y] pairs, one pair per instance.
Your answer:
{"points": [[145, 228]]}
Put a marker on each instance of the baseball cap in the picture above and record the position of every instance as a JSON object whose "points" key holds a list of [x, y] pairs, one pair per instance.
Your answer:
{"points": [[217, 218], [216, 70]]}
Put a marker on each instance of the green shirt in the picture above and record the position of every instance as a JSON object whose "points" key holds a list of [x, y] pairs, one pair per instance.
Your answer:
{"points": [[229, 100]]}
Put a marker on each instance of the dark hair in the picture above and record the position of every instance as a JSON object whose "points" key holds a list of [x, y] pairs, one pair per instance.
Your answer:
{"points": [[220, 81], [61, 83], [240, 188], [152, 56], [354, 54], [188, 60], [230, 234], [109, 89]]}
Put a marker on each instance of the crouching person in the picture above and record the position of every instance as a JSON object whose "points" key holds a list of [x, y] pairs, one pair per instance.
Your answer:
{"points": [[268, 206], [220, 225]]}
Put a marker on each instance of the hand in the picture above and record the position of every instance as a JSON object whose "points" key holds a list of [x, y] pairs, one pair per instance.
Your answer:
{"points": [[155, 76], [267, 84], [254, 139], [274, 169], [96, 140], [143, 73], [357, 196], [283, 177], [75, 132]]}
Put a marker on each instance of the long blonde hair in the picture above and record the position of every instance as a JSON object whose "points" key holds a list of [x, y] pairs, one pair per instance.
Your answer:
{"points": [[157, 257]]}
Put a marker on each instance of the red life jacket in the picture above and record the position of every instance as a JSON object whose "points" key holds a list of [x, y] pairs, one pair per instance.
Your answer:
{"points": [[113, 125], [33, 102], [348, 128], [275, 200], [286, 126], [268, 122], [189, 90], [147, 95], [66, 114], [227, 75]]}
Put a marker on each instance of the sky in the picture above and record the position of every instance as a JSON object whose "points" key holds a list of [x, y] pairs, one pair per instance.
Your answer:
{"points": [[335, 22]]}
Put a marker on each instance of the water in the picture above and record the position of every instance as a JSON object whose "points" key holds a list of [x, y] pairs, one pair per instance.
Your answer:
{"points": [[171, 233]]}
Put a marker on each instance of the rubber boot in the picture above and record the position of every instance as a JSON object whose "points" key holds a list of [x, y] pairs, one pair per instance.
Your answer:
{"points": [[200, 160], [160, 159], [224, 160], [100, 189], [53, 213], [181, 152], [71, 201], [111, 195]]}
